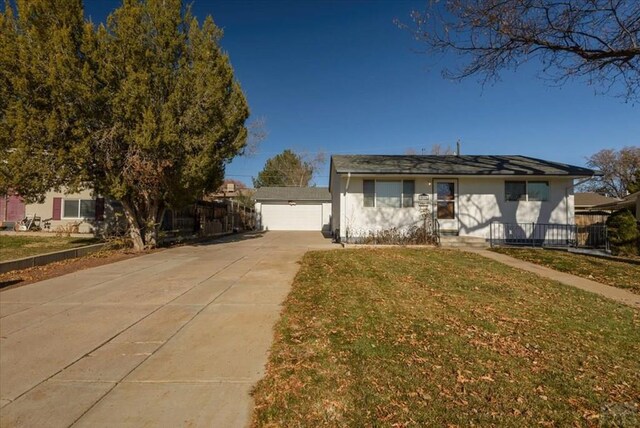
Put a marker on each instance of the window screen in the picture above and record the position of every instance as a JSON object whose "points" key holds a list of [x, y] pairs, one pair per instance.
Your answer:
{"points": [[538, 190], [408, 190], [515, 190], [71, 208], [388, 194], [369, 191], [87, 208]]}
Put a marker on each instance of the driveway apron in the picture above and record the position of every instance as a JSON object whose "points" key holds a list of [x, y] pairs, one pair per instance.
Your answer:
{"points": [[174, 338]]}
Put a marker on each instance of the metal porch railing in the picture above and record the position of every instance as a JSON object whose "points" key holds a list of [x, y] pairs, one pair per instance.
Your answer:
{"points": [[549, 235]]}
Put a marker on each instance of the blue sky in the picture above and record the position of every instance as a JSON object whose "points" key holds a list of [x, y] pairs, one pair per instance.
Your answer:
{"points": [[340, 77]]}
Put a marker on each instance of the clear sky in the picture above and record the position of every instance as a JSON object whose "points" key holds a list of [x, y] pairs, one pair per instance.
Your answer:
{"points": [[340, 77]]}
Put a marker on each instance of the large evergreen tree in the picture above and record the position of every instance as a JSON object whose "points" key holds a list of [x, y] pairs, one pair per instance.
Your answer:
{"points": [[45, 97], [144, 109]]}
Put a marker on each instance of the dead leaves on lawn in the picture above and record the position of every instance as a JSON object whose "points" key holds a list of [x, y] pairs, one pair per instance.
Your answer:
{"points": [[404, 337]]}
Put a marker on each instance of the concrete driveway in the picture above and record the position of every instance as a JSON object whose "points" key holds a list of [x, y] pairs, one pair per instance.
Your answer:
{"points": [[175, 338]]}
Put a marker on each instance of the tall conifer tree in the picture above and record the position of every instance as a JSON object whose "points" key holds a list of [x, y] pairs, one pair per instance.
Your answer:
{"points": [[144, 109]]}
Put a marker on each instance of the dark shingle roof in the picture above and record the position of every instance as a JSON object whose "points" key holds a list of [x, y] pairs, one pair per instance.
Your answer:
{"points": [[292, 194], [454, 165]]}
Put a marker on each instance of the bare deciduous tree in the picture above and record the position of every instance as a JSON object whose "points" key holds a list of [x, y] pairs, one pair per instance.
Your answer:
{"points": [[436, 149], [597, 40], [620, 171]]}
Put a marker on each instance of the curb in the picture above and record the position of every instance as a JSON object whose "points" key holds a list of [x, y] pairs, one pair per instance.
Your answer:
{"points": [[43, 259]]}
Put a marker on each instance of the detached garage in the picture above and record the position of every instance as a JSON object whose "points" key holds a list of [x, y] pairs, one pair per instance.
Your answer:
{"points": [[293, 208]]}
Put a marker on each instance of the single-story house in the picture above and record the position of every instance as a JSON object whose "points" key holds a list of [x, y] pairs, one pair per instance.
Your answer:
{"points": [[465, 195], [58, 210], [293, 208]]}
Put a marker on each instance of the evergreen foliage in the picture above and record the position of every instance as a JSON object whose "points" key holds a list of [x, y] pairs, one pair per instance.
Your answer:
{"points": [[144, 109], [624, 235], [285, 169]]}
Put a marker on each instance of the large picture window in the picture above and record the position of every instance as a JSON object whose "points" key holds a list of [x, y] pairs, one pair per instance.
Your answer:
{"points": [[388, 193], [526, 190], [79, 208]]}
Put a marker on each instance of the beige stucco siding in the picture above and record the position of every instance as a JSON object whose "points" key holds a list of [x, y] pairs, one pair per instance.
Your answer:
{"points": [[479, 202], [359, 220], [45, 210], [482, 201]]}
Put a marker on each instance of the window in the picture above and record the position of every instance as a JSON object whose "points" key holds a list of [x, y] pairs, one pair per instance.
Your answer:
{"points": [[369, 191], [515, 190], [526, 190], [538, 190], [388, 193], [408, 190], [79, 208]]}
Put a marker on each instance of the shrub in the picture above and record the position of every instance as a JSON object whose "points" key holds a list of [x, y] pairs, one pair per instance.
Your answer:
{"points": [[623, 233]]}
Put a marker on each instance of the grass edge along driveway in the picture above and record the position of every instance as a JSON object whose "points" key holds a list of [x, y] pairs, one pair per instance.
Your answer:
{"points": [[606, 271], [406, 337]]}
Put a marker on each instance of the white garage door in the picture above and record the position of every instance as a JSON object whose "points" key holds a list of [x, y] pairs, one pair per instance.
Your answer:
{"points": [[292, 217]]}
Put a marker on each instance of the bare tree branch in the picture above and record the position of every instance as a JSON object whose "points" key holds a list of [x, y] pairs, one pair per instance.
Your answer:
{"points": [[594, 40]]}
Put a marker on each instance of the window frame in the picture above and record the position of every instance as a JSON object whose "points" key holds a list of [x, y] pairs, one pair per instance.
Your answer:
{"points": [[526, 190], [375, 193], [78, 215]]}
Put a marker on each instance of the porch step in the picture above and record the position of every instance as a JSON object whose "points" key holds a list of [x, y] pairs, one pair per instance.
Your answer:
{"points": [[463, 241]]}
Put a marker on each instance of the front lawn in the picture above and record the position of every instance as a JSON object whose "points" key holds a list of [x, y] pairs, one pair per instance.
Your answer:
{"points": [[407, 337], [610, 272], [16, 247]]}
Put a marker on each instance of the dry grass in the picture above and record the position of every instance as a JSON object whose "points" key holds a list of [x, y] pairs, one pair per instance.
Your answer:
{"points": [[16, 247], [611, 272], [405, 337]]}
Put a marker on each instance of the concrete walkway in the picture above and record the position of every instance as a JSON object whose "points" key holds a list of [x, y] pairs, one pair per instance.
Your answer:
{"points": [[174, 338], [618, 294]]}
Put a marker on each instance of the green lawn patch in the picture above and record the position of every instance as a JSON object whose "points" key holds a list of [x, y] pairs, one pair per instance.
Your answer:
{"points": [[408, 337], [16, 247], [610, 272]]}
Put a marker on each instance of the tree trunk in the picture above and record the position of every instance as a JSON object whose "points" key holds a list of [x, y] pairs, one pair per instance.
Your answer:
{"points": [[135, 229], [143, 229], [153, 223]]}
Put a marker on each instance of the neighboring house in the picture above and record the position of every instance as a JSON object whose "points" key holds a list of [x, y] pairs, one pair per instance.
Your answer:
{"points": [[587, 201], [229, 191], [293, 208], [465, 194], [59, 210], [631, 202], [11, 209]]}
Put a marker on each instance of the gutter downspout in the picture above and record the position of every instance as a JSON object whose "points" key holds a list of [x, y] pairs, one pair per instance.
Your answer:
{"points": [[346, 189], [566, 194]]}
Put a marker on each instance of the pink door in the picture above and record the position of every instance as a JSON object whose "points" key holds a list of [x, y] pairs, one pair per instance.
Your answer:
{"points": [[11, 208]]}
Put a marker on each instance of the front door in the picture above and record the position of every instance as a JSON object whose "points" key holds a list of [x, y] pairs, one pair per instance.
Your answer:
{"points": [[446, 205]]}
